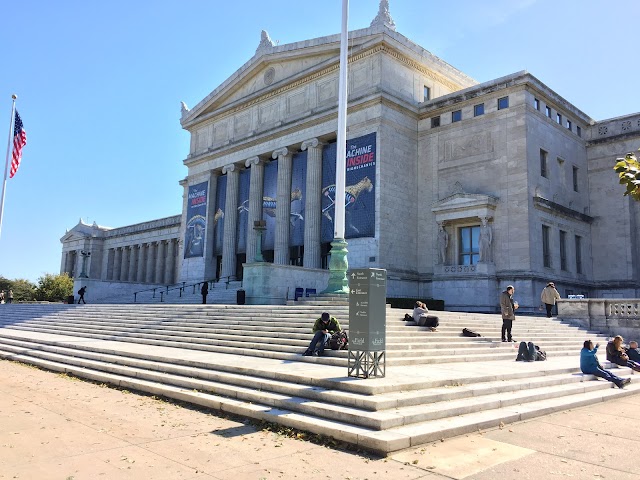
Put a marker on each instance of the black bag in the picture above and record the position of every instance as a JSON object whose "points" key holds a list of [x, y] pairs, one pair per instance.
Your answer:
{"points": [[408, 318], [339, 340], [470, 333], [541, 355]]}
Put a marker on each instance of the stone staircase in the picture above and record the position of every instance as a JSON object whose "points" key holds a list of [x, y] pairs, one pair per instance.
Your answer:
{"points": [[246, 360]]}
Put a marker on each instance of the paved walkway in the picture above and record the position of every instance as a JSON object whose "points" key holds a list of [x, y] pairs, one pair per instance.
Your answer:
{"points": [[56, 427]]}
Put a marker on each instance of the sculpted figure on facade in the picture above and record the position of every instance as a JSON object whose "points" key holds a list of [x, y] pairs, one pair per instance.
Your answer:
{"points": [[485, 241], [443, 244]]}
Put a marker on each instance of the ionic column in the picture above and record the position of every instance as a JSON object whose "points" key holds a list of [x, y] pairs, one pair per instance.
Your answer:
{"points": [[169, 269], [142, 263], [159, 267], [133, 262], [313, 203], [283, 205], [124, 269], [110, 257], [117, 264], [209, 255], [151, 250], [256, 194], [229, 241]]}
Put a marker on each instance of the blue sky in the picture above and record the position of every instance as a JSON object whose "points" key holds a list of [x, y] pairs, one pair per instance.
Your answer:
{"points": [[100, 85]]}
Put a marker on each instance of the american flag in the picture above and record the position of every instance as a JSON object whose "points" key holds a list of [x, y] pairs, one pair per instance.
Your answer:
{"points": [[19, 141]]}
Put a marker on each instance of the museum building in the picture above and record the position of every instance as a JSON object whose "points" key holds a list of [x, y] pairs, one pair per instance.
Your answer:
{"points": [[456, 188]]}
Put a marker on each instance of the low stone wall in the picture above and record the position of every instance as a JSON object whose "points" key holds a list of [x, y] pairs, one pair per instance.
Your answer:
{"points": [[269, 284], [613, 316]]}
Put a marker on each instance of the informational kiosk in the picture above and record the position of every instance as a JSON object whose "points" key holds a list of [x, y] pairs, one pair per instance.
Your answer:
{"points": [[367, 322]]}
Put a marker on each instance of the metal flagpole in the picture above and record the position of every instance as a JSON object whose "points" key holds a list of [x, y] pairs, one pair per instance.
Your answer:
{"points": [[338, 265], [6, 165]]}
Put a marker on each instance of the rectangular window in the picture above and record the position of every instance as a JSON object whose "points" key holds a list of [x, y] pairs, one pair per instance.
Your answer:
{"points": [[547, 111], [569, 125], [559, 118], [536, 104], [563, 250], [575, 179], [543, 163], [427, 93], [435, 122], [546, 252], [503, 103], [478, 110], [456, 116], [578, 254], [469, 245], [578, 131]]}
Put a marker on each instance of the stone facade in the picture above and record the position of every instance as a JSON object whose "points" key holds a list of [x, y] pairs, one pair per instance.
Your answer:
{"points": [[477, 185]]}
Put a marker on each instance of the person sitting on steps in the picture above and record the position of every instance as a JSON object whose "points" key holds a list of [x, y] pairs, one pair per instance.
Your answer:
{"points": [[324, 327], [616, 354], [633, 352], [590, 365], [422, 318]]}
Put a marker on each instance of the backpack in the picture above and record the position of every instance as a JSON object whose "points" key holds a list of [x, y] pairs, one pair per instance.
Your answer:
{"points": [[339, 340], [541, 355], [408, 318], [470, 333]]}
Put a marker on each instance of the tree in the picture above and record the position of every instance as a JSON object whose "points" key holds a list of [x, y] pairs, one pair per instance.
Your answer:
{"points": [[628, 169], [23, 290], [54, 288]]}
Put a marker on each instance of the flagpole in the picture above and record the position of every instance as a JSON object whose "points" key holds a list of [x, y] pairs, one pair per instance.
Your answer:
{"points": [[6, 165]]}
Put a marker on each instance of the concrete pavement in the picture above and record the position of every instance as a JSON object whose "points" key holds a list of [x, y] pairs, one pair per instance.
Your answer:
{"points": [[57, 427]]}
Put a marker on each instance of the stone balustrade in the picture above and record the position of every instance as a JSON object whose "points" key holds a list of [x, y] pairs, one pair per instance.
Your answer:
{"points": [[615, 316]]}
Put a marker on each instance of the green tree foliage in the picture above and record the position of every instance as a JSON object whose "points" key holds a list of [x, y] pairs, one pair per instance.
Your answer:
{"points": [[23, 290], [54, 288], [5, 284], [628, 168]]}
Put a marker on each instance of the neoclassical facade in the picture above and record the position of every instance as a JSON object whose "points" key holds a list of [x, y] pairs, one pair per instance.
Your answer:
{"points": [[456, 188]]}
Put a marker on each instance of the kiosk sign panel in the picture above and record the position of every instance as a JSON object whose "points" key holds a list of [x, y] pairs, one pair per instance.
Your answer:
{"points": [[367, 309]]}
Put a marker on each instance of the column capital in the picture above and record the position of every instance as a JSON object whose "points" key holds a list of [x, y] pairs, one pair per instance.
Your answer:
{"points": [[232, 167], [311, 143], [254, 161], [281, 152]]}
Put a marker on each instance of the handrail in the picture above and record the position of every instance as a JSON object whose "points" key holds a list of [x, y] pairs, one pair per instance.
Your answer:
{"points": [[164, 290]]}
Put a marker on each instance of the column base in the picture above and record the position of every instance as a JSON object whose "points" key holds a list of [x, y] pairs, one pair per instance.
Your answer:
{"points": [[338, 266]]}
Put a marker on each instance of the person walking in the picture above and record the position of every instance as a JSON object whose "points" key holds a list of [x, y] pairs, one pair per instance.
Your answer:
{"points": [[324, 327], [10, 296], [590, 365], [204, 291], [81, 292], [549, 296], [508, 309]]}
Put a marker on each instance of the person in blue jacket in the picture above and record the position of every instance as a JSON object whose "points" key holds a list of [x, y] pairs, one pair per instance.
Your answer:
{"points": [[589, 364]]}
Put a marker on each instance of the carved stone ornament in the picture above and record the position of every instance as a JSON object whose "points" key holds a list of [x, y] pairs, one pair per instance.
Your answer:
{"points": [[183, 108], [384, 17], [269, 75], [265, 42]]}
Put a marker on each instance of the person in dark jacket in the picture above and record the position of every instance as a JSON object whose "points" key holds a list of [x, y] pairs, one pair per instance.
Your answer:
{"points": [[508, 309], [81, 292], [324, 327], [616, 354], [590, 365], [204, 290], [633, 352]]}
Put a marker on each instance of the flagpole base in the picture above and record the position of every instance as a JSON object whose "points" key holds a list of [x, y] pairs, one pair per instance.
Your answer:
{"points": [[338, 266]]}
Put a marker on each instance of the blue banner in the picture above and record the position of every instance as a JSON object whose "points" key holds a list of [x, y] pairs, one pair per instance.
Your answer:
{"points": [[359, 198], [194, 236], [298, 195]]}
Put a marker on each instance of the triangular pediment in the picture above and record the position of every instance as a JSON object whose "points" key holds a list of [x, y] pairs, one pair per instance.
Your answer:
{"points": [[84, 230]]}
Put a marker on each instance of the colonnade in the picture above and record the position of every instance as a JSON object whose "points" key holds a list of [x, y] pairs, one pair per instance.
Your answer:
{"points": [[150, 262], [313, 207]]}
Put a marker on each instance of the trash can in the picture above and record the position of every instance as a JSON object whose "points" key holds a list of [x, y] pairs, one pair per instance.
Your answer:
{"points": [[240, 297], [71, 299]]}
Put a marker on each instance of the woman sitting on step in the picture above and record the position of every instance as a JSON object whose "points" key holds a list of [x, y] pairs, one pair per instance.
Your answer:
{"points": [[421, 317], [616, 354]]}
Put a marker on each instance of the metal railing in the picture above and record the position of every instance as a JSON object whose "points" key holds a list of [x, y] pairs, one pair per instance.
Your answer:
{"points": [[164, 290]]}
